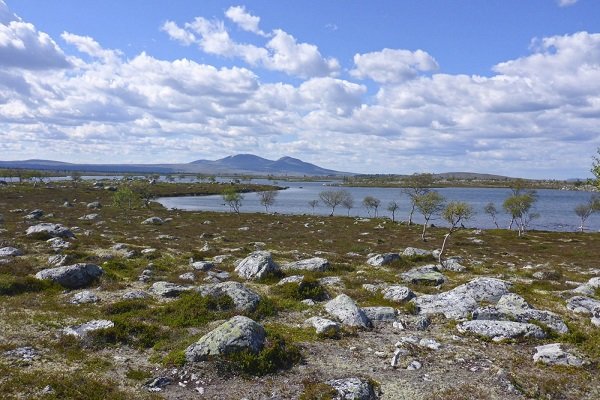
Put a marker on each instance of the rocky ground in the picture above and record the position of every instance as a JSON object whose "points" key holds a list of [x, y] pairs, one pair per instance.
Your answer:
{"points": [[103, 302]]}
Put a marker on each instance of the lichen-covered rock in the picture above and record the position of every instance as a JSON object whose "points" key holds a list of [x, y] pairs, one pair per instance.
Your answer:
{"points": [[244, 298], [168, 289], [310, 264], [85, 297], [202, 265], [462, 300], [153, 221], [257, 265], [413, 251], [347, 312], [397, 293], [323, 326], [237, 334], [46, 230], [512, 307], [82, 330], [380, 313], [553, 354], [72, 276], [498, 330], [353, 389], [583, 305], [291, 279], [379, 260], [10, 252], [453, 264], [135, 295], [426, 275]]}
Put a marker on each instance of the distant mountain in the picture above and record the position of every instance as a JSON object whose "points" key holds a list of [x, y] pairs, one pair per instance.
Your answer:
{"points": [[247, 164]]}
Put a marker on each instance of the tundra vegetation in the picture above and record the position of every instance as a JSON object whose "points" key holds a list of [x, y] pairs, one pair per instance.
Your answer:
{"points": [[170, 285]]}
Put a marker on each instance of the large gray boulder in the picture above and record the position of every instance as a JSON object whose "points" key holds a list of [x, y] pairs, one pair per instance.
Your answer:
{"points": [[353, 389], [237, 334], [311, 264], [243, 298], [379, 260], [347, 312], [553, 354], [10, 252], [46, 230], [397, 293], [583, 305], [323, 326], [72, 276], [426, 275], [257, 265], [499, 330], [462, 300]]}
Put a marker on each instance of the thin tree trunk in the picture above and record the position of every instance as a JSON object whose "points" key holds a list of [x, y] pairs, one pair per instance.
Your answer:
{"points": [[443, 247]]}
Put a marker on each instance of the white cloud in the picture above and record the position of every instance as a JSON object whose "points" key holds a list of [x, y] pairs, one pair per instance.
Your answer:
{"points": [[392, 65], [176, 33], [566, 3], [244, 20], [89, 46]]}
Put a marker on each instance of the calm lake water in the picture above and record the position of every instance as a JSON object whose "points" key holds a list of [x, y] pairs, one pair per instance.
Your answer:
{"points": [[555, 207]]}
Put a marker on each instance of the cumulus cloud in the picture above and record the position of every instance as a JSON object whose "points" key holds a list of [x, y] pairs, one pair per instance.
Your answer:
{"points": [[392, 65], [89, 46], [244, 20], [566, 3], [23, 46]]}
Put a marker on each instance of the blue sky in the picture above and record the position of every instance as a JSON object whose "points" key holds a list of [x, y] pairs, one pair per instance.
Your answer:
{"points": [[506, 87]]}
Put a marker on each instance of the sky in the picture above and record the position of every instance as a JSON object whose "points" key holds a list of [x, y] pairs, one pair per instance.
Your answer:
{"points": [[507, 87]]}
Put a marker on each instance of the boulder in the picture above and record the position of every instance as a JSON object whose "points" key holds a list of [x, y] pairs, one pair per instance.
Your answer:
{"points": [[72, 276], [94, 205], [58, 244], [82, 330], [85, 297], [202, 265], [553, 354], [244, 298], [168, 289], [347, 312], [583, 305], [311, 264], [257, 265], [426, 275], [323, 326], [35, 214], [10, 252], [291, 279], [462, 300], [379, 260], [187, 276], [237, 334], [380, 313], [46, 230], [353, 389], [498, 330], [135, 295], [58, 260], [397, 293], [512, 307], [452, 264], [153, 221], [89, 217], [413, 251]]}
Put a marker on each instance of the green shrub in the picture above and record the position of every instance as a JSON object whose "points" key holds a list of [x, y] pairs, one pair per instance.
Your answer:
{"points": [[317, 391], [193, 309], [126, 306], [308, 288], [127, 331], [13, 285], [138, 374]]}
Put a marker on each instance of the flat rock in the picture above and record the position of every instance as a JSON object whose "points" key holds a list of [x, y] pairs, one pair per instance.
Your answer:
{"points": [[257, 265], [10, 252], [452, 264], [237, 334], [291, 279], [553, 354], [153, 221], [413, 251], [202, 265], [72, 276], [244, 298], [91, 326], [168, 289], [85, 297], [45, 230], [379, 260], [462, 300], [347, 312], [311, 264], [583, 305], [498, 330], [426, 275], [380, 313], [397, 293], [135, 295], [323, 326], [353, 389], [58, 243]]}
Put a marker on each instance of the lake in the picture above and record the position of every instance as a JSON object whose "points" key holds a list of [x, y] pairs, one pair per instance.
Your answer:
{"points": [[555, 207]]}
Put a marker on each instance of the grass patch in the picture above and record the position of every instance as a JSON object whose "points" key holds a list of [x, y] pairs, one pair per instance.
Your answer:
{"points": [[308, 288], [15, 285], [138, 374], [193, 309], [317, 391]]}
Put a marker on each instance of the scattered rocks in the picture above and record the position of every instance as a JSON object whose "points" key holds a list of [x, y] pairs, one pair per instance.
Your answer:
{"points": [[553, 354], [323, 326], [72, 276], [353, 389], [237, 334], [397, 293], [158, 384], [82, 330], [168, 289], [85, 297], [46, 230], [135, 295], [379, 260], [244, 298], [347, 312], [499, 330], [26, 354], [153, 221], [311, 264], [257, 265], [426, 275]]}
